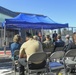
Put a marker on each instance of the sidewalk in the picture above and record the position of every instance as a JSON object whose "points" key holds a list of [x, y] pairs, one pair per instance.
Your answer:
{"points": [[5, 57]]}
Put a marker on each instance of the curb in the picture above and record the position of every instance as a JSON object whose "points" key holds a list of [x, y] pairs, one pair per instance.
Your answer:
{"points": [[5, 60]]}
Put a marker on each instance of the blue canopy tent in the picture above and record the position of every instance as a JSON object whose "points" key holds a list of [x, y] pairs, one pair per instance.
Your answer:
{"points": [[32, 21], [53, 24]]}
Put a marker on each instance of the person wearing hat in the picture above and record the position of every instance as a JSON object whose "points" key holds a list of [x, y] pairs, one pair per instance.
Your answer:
{"points": [[67, 41], [72, 45]]}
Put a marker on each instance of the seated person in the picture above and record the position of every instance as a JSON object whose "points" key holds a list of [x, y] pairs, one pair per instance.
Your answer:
{"points": [[72, 45], [59, 42], [35, 37], [67, 40], [48, 44], [16, 44], [28, 48]]}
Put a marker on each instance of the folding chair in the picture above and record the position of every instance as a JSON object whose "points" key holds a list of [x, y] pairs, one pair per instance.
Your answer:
{"points": [[48, 51], [70, 61], [59, 48], [35, 58], [15, 59], [54, 64]]}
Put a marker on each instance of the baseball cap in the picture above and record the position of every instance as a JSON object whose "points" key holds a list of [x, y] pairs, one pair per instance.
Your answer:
{"points": [[67, 35]]}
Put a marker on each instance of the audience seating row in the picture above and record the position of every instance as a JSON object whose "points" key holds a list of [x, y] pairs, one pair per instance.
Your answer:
{"points": [[55, 61]]}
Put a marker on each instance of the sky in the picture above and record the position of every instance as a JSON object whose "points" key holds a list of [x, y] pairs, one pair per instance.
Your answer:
{"points": [[60, 11]]}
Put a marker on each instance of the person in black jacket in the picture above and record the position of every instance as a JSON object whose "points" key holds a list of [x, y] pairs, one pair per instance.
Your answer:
{"points": [[54, 36]]}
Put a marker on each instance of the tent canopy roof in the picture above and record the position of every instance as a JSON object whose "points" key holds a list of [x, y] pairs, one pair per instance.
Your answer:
{"points": [[33, 21]]}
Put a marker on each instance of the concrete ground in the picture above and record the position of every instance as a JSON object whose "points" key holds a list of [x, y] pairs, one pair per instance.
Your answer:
{"points": [[6, 66], [6, 69]]}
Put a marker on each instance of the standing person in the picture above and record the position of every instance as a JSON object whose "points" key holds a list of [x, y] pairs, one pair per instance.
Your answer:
{"points": [[28, 48], [54, 36], [44, 38], [40, 36], [16, 44]]}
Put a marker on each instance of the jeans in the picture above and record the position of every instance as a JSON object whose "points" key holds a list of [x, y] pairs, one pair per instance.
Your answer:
{"points": [[22, 63]]}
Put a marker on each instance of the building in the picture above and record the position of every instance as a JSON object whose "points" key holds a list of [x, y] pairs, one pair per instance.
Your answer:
{"points": [[6, 14]]}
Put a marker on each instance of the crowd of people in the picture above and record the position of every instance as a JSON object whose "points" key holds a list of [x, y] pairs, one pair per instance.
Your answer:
{"points": [[34, 44]]}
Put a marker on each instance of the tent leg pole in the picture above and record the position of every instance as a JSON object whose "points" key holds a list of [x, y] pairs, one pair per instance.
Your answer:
{"points": [[4, 39], [42, 34]]}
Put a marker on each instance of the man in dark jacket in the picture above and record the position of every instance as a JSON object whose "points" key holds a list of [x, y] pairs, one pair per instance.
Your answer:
{"points": [[54, 36], [59, 42]]}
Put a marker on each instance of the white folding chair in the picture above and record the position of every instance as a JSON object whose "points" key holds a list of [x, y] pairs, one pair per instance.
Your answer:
{"points": [[54, 64], [36, 58], [70, 60]]}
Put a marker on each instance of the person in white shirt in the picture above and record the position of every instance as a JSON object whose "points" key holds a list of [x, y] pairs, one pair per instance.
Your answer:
{"points": [[67, 41]]}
